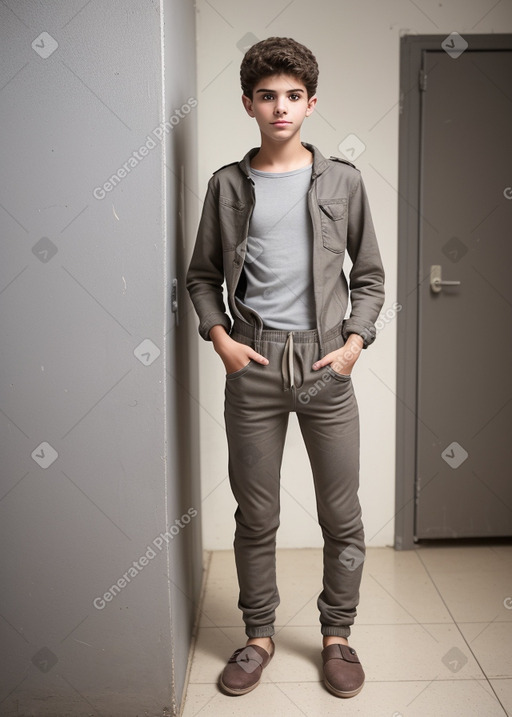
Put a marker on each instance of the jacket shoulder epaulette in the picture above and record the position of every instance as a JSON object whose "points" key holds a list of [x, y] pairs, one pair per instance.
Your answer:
{"points": [[231, 164], [344, 161]]}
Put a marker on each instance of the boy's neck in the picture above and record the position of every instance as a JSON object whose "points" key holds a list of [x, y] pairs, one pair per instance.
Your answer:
{"points": [[281, 156]]}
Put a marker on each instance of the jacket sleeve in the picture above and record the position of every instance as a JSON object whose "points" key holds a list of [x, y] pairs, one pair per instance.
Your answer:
{"points": [[205, 276], [366, 281]]}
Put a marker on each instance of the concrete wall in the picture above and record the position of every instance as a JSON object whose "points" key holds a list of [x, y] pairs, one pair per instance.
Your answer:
{"points": [[357, 47], [99, 503]]}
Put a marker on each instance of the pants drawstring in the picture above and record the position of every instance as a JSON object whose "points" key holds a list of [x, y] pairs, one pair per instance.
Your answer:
{"points": [[287, 369], [288, 365]]}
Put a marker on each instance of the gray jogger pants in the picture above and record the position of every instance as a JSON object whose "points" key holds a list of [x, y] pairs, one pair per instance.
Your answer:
{"points": [[258, 400]]}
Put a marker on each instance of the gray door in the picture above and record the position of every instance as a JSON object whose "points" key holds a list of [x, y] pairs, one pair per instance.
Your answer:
{"points": [[464, 416]]}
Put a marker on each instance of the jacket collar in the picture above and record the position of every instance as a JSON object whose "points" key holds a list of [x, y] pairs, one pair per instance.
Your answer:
{"points": [[320, 164]]}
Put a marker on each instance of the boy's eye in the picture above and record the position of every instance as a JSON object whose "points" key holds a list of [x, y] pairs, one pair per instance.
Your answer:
{"points": [[268, 97]]}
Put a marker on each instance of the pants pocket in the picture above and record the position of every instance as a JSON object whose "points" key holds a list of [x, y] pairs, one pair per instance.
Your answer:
{"points": [[240, 372], [338, 376]]}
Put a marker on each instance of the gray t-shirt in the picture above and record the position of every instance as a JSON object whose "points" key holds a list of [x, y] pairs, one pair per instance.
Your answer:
{"points": [[278, 263]]}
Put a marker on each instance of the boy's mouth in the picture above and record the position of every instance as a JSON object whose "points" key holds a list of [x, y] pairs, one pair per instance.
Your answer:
{"points": [[281, 122]]}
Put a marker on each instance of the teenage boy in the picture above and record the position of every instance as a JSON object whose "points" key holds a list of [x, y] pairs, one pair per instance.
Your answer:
{"points": [[275, 228]]}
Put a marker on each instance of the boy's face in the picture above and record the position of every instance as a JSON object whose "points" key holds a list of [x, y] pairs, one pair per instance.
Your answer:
{"points": [[279, 104]]}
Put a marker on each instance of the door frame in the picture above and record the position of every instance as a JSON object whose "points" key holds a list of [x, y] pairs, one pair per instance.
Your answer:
{"points": [[412, 51]]}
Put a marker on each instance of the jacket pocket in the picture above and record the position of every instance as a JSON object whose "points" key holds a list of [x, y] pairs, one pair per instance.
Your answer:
{"points": [[334, 219], [232, 219]]}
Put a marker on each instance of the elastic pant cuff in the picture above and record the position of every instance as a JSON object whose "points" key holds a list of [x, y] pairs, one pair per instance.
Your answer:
{"points": [[264, 631], [330, 630]]}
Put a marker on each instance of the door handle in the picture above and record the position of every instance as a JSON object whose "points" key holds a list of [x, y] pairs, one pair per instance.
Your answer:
{"points": [[436, 282]]}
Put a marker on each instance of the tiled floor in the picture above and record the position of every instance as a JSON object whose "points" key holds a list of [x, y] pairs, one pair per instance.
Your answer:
{"points": [[434, 634]]}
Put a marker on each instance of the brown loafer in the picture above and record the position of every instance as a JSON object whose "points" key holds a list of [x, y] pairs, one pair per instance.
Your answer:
{"points": [[343, 673], [244, 669]]}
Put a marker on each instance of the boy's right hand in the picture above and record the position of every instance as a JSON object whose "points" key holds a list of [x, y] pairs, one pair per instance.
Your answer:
{"points": [[234, 355]]}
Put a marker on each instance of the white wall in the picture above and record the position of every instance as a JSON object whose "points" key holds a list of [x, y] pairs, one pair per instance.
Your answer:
{"points": [[357, 47]]}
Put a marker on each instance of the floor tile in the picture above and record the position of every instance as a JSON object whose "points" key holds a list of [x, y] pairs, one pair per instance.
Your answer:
{"points": [[414, 652], [503, 689], [219, 608], [392, 591], [424, 616], [504, 550], [476, 596], [396, 699], [267, 700], [222, 565], [491, 643], [387, 652], [299, 578], [297, 654], [396, 588], [445, 558], [400, 699], [212, 649]]}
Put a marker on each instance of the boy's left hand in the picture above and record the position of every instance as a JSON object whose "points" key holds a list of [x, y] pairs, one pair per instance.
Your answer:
{"points": [[342, 360]]}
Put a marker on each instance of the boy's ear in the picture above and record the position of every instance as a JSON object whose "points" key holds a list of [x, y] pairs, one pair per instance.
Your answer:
{"points": [[311, 105], [247, 103]]}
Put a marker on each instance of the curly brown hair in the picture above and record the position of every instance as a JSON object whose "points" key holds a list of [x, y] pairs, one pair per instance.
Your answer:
{"points": [[275, 56]]}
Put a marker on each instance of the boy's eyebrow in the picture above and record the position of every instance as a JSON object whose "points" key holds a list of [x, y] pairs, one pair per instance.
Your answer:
{"points": [[297, 90]]}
